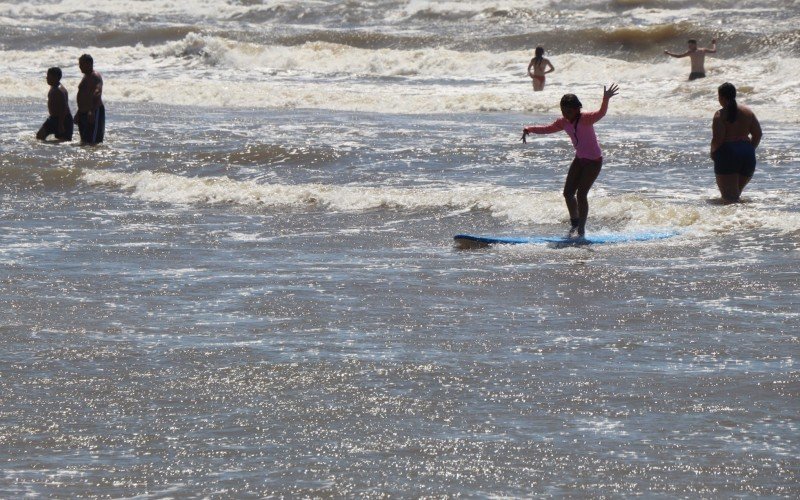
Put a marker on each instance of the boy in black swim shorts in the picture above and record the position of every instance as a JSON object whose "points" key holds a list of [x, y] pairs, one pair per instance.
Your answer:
{"points": [[59, 123]]}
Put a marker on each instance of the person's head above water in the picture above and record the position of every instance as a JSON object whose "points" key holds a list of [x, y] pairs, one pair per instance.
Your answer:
{"points": [[727, 91], [726, 94], [53, 76], [86, 63], [539, 52], [570, 106], [692, 43]]}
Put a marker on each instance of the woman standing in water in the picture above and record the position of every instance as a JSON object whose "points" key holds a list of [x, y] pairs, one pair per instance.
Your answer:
{"points": [[735, 137], [588, 157], [537, 69]]}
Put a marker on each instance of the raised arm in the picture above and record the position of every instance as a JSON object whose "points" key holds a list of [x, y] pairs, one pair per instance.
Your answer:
{"points": [[676, 55], [713, 49], [608, 93]]}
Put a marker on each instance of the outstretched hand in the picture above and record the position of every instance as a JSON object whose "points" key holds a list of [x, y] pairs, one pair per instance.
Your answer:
{"points": [[611, 91]]}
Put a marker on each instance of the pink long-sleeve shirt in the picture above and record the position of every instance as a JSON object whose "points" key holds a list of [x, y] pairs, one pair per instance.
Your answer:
{"points": [[582, 134]]}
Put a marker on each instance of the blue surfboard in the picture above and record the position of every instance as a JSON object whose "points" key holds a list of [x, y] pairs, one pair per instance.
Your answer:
{"points": [[476, 241]]}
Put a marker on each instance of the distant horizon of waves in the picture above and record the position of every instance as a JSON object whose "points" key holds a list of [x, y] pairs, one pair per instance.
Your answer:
{"points": [[214, 72], [626, 29], [630, 43], [407, 57]]}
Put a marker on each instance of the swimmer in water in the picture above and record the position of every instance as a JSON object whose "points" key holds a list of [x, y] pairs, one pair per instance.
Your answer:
{"points": [[697, 56], [588, 157], [91, 114], [538, 68], [736, 134], [59, 123]]}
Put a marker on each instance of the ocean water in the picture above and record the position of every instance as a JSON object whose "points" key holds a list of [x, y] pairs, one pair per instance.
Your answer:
{"points": [[251, 290]]}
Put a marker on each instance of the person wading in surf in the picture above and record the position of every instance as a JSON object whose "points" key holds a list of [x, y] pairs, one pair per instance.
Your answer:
{"points": [[91, 114], [59, 123], [588, 157], [697, 56], [736, 134], [537, 69]]}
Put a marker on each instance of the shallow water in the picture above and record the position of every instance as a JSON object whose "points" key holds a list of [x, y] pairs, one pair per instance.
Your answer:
{"points": [[213, 310], [258, 294]]}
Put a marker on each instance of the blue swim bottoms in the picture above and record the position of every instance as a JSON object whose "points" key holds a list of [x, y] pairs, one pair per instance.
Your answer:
{"points": [[737, 157]]}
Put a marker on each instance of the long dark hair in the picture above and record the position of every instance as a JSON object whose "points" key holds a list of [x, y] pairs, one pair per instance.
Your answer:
{"points": [[728, 91], [539, 56]]}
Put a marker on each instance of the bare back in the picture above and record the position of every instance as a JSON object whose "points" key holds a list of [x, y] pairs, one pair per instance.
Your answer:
{"points": [[745, 124], [539, 69], [745, 127], [58, 101]]}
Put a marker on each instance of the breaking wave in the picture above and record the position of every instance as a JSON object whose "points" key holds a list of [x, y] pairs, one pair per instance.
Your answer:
{"points": [[619, 211]]}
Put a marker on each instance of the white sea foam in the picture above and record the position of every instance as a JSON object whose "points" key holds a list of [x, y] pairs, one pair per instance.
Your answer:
{"points": [[619, 211], [415, 7], [212, 71], [79, 8]]}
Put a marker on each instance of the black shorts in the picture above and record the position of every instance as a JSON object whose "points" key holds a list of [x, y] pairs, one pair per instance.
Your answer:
{"points": [[736, 157], [694, 75], [50, 127], [587, 163], [92, 133]]}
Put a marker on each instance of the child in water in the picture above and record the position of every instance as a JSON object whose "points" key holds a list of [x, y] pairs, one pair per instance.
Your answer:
{"points": [[537, 69], [588, 157], [59, 123]]}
